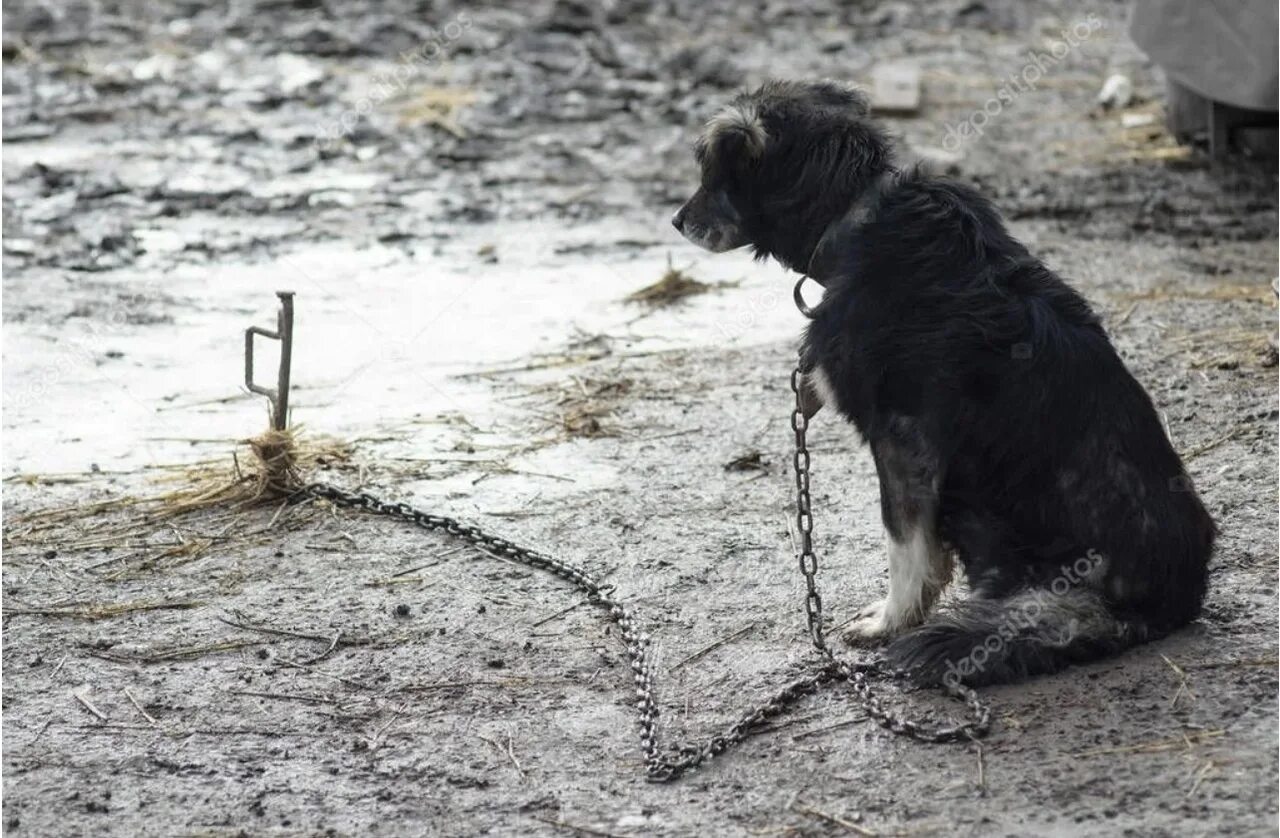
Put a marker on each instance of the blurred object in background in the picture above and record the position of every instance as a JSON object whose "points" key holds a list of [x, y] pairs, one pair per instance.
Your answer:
{"points": [[1219, 61]]}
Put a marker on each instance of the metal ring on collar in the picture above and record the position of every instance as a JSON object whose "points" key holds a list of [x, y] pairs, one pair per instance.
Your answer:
{"points": [[799, 299]]}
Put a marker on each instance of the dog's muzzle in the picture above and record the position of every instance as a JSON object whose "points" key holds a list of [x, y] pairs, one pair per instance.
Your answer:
{"points": [[677, 220], [707, 225]]}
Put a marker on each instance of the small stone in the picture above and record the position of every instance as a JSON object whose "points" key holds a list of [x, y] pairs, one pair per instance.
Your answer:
{"points": [[1117, 92], [833, 42], [402, 610], [895, 88]]}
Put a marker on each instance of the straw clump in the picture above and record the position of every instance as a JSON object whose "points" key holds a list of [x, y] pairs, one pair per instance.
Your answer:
{"points": [[279, 462]]}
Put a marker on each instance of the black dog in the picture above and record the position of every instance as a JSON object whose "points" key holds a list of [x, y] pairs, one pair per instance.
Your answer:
{"points": [[1006, 431]]}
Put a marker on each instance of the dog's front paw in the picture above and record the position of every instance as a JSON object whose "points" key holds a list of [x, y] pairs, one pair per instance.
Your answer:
{"points": [[871, 624]]}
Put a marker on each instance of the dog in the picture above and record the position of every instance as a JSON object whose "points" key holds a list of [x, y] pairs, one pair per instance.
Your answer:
{"points": [[1007, 434]]}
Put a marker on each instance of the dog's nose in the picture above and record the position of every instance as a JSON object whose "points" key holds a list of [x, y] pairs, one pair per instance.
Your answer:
{"points": [[677, 220]]}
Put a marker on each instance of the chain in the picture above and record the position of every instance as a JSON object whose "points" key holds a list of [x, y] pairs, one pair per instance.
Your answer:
{"points": [[680, 760], [804, 520], [856, 674]]}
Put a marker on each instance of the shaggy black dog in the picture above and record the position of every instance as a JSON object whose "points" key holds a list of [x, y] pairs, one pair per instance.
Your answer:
{"points": [[1006, 431]]}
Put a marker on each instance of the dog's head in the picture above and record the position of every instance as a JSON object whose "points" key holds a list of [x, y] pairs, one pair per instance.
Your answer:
{"points": [[779, 164]]}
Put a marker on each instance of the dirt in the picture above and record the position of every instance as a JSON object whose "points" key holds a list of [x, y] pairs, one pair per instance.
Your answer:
{"points": [[462, 257]]}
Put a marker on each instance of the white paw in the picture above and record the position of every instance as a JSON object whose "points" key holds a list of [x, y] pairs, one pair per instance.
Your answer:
{"points": [[872, 623]]}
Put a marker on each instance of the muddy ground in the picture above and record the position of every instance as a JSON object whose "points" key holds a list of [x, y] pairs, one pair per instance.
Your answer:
{"points": [[462, 223]]}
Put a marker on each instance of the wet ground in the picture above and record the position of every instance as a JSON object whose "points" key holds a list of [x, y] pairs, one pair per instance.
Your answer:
{"points": [[463, 196]]}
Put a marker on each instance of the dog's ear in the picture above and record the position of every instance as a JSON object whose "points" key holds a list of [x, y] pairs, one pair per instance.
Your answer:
{"points": [[734, 139], [830, 156], [841, 94]]}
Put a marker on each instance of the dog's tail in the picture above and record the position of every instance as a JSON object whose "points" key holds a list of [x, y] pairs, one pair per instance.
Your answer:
{"points": [[1034, 632]]}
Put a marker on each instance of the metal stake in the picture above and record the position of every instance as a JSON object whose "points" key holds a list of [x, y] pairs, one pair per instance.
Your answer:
{"points": [[279, 396]]}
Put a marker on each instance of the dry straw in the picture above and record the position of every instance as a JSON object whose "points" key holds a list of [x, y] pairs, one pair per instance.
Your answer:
{"points": [[264, 469]]}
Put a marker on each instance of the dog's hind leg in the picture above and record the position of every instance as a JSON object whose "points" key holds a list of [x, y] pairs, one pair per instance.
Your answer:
{"points": [[919, 566]]}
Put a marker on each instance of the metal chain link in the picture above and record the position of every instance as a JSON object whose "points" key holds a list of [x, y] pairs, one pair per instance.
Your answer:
{"points": [[682, 759], [804, 519]]}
